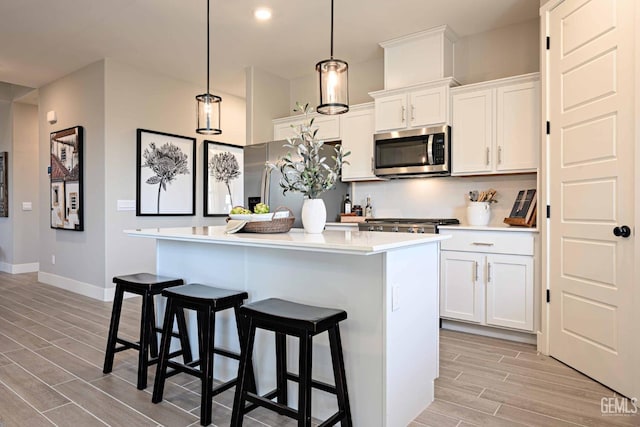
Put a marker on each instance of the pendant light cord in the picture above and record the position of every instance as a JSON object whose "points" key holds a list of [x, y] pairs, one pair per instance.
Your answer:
{"points": [[208, 60], [331, 29]]}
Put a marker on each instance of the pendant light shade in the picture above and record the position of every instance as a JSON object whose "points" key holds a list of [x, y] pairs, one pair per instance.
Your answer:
{"points": [[208, 105], [333, 75]]}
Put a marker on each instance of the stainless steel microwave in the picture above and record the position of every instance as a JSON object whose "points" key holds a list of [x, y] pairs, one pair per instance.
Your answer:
{"points": [[413, 152]]}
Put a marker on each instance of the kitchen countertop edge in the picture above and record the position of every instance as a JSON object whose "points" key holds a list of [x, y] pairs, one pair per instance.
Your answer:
{"points": [[488, 228]]}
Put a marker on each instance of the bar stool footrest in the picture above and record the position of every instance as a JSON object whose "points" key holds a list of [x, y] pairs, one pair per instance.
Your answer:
{"points": [[333, 420], [314, 383], [274, 406]]}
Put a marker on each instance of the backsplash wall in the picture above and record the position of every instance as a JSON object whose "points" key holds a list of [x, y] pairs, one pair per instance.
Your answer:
{"points": [[442, 197]]}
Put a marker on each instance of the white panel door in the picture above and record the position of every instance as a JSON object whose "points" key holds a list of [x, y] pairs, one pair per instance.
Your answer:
{"points": [[462, 286], [510, 291], [428, 106], [591, 176], [356, 132], [518, 127], [472, 132]]}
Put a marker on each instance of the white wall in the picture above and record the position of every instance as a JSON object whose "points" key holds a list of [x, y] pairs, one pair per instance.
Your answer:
{"points": [[138, 99], [443, 197], [267, 98], [507, 51], [25, 183], [79, 100]]}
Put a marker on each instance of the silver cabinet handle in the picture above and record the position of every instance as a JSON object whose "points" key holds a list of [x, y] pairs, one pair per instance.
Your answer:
{"points": [[499, 154], [487, 156], [413, 115], [482, 244], [475, 270], [488, 272], [403, 111]]}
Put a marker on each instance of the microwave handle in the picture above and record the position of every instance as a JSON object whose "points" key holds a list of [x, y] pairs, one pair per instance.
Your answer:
{"points": [[430, 149]]}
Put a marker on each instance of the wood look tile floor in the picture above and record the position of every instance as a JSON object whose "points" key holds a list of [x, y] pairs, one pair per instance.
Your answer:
{"points": [[52, 350]]}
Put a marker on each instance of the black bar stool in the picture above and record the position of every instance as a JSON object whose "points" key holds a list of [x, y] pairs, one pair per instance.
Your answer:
{"points": [[147, 285], [206, 301], [303, 321]]}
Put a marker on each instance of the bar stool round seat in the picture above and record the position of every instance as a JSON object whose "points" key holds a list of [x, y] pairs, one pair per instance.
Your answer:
{"points": [[303, 321], [206, 301], [147, 285]]}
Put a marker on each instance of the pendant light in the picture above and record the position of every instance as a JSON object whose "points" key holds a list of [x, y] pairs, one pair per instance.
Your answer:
{"points": [[208, 105], [334, 82]]}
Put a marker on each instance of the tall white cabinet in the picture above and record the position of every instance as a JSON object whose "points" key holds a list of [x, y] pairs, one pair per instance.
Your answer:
{"points": [[496, 126]]}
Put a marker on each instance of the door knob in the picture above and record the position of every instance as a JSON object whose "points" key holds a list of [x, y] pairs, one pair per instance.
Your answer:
{"points": [[622, 231]]}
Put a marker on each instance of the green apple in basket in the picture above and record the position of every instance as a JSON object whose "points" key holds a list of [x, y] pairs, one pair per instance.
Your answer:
{"points": [[261, 208], [239, 210]]}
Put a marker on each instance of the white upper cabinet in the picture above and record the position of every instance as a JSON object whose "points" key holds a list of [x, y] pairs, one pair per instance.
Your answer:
{"points": [[328, 126], [414, 106], [496, 126], [356, 134]]}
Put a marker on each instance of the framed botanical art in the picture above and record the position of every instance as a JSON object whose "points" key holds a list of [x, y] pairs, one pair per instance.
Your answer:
{"points": [[223, 183], [4, 190], [166, 174], [66, 196]]}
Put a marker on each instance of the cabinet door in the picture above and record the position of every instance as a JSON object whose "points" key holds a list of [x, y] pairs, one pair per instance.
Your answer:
{"points": [[328, 127], [518, 127], [285, 130], [356, 131], [510, 291], [391, 112], [428, 107], [472, 132], [461, 286]]}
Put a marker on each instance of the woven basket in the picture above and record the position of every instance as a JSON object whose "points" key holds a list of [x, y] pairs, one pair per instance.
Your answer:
{"points": [[277, 225]]}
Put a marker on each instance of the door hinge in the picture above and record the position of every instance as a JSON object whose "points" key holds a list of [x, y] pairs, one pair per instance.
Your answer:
{"points": [[548, 128], [548, 211], [548, 42], [548, 295]]}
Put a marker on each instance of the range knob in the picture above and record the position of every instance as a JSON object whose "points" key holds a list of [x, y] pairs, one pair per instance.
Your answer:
{"points": [[411, 230], [372, 228], [379, 228], [395, 229]]}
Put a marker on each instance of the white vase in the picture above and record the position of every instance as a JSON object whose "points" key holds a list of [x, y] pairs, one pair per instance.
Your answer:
{"points": [[478, 213], [314, 215]]}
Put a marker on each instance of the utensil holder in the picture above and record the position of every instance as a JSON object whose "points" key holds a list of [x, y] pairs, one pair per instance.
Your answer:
{"points": [[479, 213]]}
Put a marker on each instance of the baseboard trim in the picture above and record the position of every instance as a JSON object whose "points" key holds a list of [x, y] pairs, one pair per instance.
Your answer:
{"points": [[30, 267], [82, 288], [488, 331]]}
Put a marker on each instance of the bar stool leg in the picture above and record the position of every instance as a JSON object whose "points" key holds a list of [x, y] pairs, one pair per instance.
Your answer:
{"points": [[281, 368], [143, 355], [206, 321], [153, 336], [339, 374], [246, 356], [251, 381], [187, 357], [165, 344], [304, 386], [113, 330]]}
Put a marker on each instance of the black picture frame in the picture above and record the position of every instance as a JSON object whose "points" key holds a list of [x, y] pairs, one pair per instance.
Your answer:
{"points": [[4, 184], [165, 166], [66, 186], [223, 181]]}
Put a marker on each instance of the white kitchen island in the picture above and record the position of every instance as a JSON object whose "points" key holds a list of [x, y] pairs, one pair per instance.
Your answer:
{"points": [[387, 282]]}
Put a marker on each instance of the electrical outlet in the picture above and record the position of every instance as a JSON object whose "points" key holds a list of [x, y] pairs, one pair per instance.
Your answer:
{"points": [[395, 297], [53, 259]]}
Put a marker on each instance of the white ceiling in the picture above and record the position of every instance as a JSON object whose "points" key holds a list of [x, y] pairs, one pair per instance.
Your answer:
{"points": [[42, 40]]}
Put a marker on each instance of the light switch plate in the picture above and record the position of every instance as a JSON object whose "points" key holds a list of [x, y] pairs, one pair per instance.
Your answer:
{"points": [[27, 206], [126, 205]]}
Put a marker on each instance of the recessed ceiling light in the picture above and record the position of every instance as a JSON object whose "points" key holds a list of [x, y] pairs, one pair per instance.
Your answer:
{"points": [[262, 14]]}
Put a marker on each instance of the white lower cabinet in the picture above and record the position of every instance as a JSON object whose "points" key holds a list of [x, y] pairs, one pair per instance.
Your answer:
{"points": [[481, 284]]}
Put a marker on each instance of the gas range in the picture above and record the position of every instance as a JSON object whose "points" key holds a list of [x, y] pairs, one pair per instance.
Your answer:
{"points": [[406, 225]]}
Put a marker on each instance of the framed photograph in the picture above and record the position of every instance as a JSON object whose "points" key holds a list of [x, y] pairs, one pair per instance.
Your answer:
{"points": [[166, 174], [223, 183], [66, 196], [4, 189]]}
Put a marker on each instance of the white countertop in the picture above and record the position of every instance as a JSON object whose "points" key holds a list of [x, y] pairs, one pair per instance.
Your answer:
{"points": [[503, 227], [352, 242]]}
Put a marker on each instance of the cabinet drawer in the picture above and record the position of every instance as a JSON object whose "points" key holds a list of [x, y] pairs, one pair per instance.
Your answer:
{"points": [[497, 242]]}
